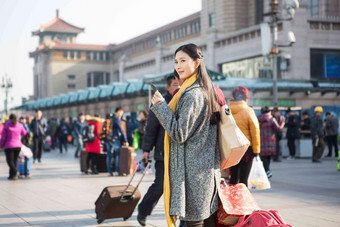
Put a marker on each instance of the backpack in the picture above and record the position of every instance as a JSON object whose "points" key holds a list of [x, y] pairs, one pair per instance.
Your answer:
{"points": [[88, 134], [64, 131], [262, 218], [106, 133]]}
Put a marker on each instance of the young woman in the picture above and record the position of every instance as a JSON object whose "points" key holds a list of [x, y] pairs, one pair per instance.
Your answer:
{"points": [[11, 141], [191, 153]]}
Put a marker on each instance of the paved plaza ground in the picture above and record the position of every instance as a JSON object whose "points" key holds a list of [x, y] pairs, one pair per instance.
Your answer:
{"points": [[305, 194]]}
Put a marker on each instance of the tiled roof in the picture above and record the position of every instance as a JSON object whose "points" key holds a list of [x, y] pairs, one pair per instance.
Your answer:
{"points": [[56, 45], [76, 46], [58, 25]]}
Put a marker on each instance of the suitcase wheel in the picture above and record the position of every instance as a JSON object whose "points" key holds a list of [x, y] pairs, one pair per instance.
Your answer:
{"points": [[126, 218], [100, 221]]}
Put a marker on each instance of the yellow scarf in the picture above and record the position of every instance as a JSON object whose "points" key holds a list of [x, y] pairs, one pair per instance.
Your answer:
{"points": [[171, 220]]}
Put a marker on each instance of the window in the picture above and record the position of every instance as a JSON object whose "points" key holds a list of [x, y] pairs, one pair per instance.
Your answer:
{"points": [[97, 78], [257, 67], [165, 37], [195, 27], [65, 54], [71, 77], [71, 86], [211, 20], [128, 51], [139, 46], [72, 54], [107, 79], [88, 55], [325, 64], [151, 43], [181, 32], [95, 56]]}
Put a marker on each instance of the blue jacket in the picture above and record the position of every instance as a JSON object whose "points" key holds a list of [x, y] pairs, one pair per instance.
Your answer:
{"points": [[78, 127], [39, 127], [117, 129]]}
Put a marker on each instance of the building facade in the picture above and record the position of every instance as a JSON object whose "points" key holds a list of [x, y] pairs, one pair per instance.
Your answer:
{"points": [[229, 34]]}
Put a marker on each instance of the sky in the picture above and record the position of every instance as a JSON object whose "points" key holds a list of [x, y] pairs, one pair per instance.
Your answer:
{"points": [[105, 22]]}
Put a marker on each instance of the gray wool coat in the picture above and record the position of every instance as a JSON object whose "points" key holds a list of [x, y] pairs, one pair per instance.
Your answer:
{"points": [[194, 156]]}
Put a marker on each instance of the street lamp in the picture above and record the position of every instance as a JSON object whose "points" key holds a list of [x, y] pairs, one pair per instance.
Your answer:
{"points": [[6, 84], [291, 5]]}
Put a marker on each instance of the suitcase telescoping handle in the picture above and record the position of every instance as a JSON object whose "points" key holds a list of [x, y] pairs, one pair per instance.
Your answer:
{"points": [[140, 180]]}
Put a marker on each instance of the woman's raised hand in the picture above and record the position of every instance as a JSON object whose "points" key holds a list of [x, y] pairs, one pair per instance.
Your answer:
{"points": [[157, 97]]}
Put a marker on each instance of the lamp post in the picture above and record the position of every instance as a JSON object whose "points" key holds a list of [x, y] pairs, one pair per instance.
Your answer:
{"points": [[274, 5], [6, 84], [291, 5]]}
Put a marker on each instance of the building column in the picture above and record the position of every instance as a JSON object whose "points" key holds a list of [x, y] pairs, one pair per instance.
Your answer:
{"points": [[209, 60], [158, 56], [121, 68]]}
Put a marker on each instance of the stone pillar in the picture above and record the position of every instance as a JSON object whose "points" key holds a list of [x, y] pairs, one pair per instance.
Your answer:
{"points": [[158, 56], [209, 56]]}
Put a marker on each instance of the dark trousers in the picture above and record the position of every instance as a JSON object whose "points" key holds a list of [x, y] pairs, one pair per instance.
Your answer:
{"points": [[62, 143], [209, 222], [12, 155], [278, 149], [266, 162], [154, 192], [240, 172], [93, 157], [291, 146], [332, 141], [318, 148], [37, 147]]}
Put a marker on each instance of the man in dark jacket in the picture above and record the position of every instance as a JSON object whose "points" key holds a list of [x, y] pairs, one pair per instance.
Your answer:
{"points": [[293, 133], [39, 128], [116, 136], [78, 130], [154, 137], [332, 125], [317, 134]]}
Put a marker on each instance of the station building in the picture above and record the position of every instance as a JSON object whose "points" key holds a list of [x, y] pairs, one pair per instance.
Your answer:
{"points": [[229, 34]]}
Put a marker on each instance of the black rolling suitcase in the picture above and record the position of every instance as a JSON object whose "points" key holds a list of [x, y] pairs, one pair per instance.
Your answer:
{"points": [[118, 201]]}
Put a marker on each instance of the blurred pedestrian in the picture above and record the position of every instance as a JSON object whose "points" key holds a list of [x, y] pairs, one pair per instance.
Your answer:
{"points": [[247, 121], [52, 131], [62, 132], [332, 127], [191, 154], [93, 148], [39, 128], [117, 136], [293, 126], [78, 130], [317, 134], [154, 138], [278, 135], [143, 116], [1, 127], [268, 127], [130, 127], [305, 125], [11, 141]]}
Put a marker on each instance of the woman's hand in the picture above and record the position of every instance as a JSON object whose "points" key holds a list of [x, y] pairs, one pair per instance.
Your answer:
{"points": [[157, 97]]}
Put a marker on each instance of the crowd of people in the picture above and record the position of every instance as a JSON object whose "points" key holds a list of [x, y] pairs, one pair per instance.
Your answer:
{"points": [[181, 128]]}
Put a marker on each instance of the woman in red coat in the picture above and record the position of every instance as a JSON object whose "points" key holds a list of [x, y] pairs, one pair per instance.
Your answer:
{"points": [[93, 148]]}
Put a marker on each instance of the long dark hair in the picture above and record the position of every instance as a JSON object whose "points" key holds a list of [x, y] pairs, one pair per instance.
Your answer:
{"points": [[204, 80], [13, 118]]}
